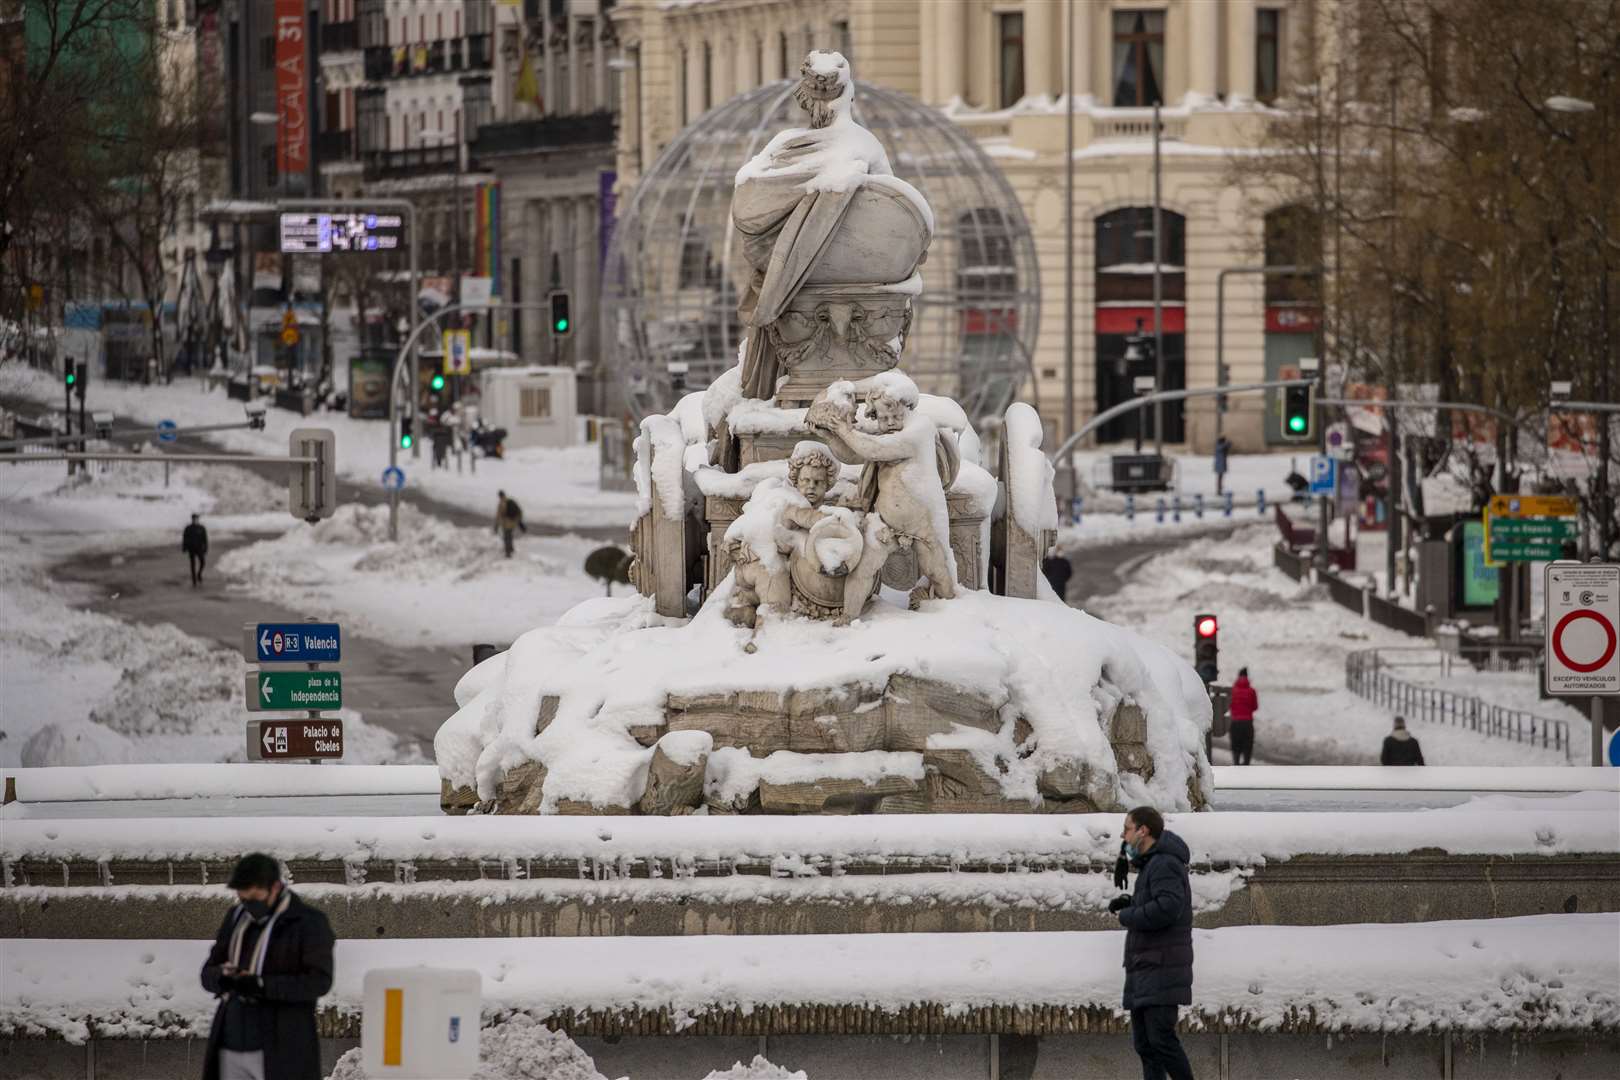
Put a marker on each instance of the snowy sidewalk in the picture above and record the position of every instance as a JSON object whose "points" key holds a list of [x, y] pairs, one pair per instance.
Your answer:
{"points": [[1531, 974]]}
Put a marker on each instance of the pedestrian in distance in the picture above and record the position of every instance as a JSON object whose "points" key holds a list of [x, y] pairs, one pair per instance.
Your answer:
{"points": [[194, 542], [1242, 707], [1157, 917], [1400, 748], [1058, 571], [270, 964], [508, 520]]}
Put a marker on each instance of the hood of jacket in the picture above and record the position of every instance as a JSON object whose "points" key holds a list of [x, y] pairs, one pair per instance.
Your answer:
{"points": [[1241, 680], [1169, 844]]}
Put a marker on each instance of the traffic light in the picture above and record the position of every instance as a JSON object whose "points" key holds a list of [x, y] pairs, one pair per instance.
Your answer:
{"points": [[1298, 413], [1207, 647], [405, 436], [562, 323], [70, 374], [438, 382]]}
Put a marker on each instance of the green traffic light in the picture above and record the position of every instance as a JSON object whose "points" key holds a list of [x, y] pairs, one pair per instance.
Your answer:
{"points": [[71, 378], [562, 326], [405, 442], [438, 382], [1296, 423]]}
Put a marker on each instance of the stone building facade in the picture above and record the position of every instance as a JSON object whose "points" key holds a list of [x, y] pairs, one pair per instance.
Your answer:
{"points": [[999, 68]]}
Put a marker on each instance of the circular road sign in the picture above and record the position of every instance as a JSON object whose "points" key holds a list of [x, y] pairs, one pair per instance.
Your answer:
{"points": [[167, 431], [289, 336], [393, 478], [1573, 663]]}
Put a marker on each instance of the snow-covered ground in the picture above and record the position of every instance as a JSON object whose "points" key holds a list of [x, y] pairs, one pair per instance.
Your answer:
{"points": [[1293, 638], [558, 487], [82, 688], [440, 584]]}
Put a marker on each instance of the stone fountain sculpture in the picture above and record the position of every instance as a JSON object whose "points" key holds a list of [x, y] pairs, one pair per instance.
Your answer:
{"points": [[763, 669]]}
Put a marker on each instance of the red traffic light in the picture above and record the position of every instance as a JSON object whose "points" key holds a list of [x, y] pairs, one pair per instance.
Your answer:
{"points": [[1206, 626]]}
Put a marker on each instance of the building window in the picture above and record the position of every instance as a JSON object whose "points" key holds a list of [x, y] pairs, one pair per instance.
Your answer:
{"points": [[1010, 36], [534, 403], [1267, 53], [1138, 57], [682, 96], [782, 55], [708, 76], [267, 52], [841, 39]]}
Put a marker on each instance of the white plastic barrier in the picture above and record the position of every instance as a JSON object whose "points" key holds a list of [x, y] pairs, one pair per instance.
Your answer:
{"points": [[91, 783], [421, 1023]]}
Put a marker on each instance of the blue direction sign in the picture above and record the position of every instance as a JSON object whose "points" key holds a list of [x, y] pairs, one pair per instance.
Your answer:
{"points": [[1324, 475], [393, 478], [294, 643], [167, 431]]}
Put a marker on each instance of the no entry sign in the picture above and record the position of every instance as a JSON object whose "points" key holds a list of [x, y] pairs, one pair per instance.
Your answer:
{"points": [[1583, 628]]}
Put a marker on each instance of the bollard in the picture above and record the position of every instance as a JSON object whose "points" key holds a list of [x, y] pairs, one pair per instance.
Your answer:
{"points": [[1158, 510], [1260, 500], [1226, 509], [1175, 508], [483, 651], [1198, 505], [1130, 508]]}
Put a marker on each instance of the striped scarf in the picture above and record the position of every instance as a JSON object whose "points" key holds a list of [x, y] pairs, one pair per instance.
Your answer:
{"points": [[255, 965]]}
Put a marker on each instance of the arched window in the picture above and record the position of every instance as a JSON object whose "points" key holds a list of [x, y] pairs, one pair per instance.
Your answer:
{"points": [[1124, 292], [1293, 237]]}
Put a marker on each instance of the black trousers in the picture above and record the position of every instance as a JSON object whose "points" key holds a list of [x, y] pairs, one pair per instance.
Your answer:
{"points": [[197, 561], [1153, 1033], [1242, 742]]}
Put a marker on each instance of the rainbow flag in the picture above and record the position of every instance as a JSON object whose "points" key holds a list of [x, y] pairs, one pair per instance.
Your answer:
{"points": [[487, 244]]}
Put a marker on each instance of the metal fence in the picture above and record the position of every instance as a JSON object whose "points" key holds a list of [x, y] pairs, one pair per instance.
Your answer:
{"points": [[1368, 673]]}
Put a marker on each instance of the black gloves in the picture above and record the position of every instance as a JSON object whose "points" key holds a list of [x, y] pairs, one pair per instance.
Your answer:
{"points": [[1118, 904], [242, 984], [1122, 866]]}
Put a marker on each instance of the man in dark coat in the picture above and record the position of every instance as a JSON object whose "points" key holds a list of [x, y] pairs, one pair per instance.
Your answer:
{"points": [[1058, 570], [1158, 919], [1242, 706], [194, 542], [269, 965], [1399, 747]]}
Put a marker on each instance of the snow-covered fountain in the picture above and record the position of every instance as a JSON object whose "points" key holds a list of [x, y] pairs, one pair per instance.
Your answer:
{"points": [[840, 607]]}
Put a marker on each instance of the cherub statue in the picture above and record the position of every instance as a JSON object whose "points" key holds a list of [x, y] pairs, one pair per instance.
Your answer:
{"points": [[812, 470], [756, 585], [908, 468]]}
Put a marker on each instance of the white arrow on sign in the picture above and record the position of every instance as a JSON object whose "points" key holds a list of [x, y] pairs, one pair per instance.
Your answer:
{"points": [[264, 640], [264, 690], [269, 741]]}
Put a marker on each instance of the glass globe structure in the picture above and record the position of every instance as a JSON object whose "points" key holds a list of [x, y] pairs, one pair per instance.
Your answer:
{"points": [[675, 266]]}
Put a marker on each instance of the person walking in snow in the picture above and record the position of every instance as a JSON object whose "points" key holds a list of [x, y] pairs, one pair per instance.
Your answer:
{"points": [[1058, 571], [194, 542], [1399, 746], [1242, 706], [1157, 917], [508, 520], [270, 964]]}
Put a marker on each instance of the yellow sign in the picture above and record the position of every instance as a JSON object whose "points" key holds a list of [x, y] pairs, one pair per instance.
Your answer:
{"points": [[36, 297], [458, 352], [1521, 506], [289, 336]]}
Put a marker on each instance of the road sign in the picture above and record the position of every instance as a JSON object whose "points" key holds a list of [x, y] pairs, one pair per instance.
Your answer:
{"points": [[393, 478], [458, 352], [292, 643], [1522, 506], [274, 740], [294, 691], [321, 234], [289, 336], [475, 291], [1324, 475], [1527, 539], [312, 489], [166, 430], [1583, 610], [1340, 446]]}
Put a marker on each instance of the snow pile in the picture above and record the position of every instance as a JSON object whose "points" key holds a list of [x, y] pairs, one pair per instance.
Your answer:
{"points": [[517, 1048], [439, 583], [761, 1068], [1029, 491], [733, 772], [660, 465]]}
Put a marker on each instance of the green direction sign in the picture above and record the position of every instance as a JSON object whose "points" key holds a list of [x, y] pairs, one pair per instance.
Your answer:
{"points": [[296, 691], [1537, 551], [1530, 539]]}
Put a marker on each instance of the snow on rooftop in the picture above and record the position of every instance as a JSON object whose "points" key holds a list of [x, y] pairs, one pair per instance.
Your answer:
{"points": [[1536, 973]]}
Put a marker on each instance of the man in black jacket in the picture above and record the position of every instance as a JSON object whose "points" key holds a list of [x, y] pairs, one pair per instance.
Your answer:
{"points": [[269, 965], [1399, 746], [1158, 943], [194, 542]]}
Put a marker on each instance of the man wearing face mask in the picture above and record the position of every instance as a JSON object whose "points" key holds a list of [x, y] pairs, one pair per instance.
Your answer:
{"points": [[1158, 918], [269, 965]]}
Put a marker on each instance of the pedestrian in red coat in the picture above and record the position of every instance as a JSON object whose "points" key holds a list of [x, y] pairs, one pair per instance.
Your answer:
{"points": [[1242, 707]]}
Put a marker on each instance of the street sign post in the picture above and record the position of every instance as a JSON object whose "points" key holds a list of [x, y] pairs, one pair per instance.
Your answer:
{"points": [[1529, 528], [1523, 506], [303, 740], [294, 691], [1582, 647], [292, 643], [457, 352], [1324, 475], [166, 431], [312, 488], [393, 478]]}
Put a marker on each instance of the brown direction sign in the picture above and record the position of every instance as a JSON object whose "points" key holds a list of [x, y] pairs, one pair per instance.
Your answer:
{"points": [[277, 740]]}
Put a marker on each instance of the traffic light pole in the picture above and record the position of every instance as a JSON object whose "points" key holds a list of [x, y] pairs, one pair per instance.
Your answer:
{"points": [[1165, 395]]}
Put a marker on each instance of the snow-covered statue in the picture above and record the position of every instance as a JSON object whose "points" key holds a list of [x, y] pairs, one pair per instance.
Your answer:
{"points": [[820, 210], [908, 468]]}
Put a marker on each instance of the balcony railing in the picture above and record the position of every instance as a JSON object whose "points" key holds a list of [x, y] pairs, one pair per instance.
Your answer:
{"points": [[340, 36], [471, 53], [525, 136], [415, 161]]}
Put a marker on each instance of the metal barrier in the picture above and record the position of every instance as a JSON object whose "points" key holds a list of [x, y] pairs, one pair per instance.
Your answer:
{"points": [[1367, 674]]}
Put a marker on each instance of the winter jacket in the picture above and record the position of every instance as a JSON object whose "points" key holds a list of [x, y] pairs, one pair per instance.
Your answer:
{"points": [[1158, 942], [194, 541], [508, 515], [1401, 751], [297, 971], [1244, 701]]}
